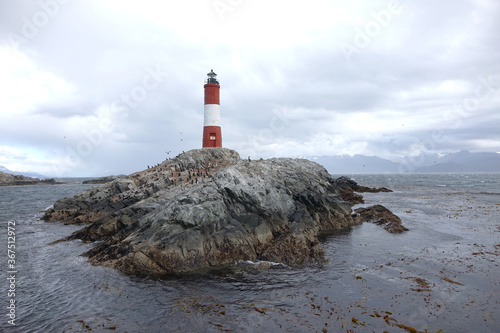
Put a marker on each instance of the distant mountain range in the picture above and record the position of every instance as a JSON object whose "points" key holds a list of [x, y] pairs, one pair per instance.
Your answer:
{"points": [[463, 161], [27, 174]]}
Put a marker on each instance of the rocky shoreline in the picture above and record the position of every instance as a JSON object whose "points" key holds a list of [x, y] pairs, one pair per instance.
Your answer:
{"points": [[207, 208], [6, 179]]}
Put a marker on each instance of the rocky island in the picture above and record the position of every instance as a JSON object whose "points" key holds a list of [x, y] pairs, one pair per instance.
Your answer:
{"points": [[208, 207], [6, 179]]}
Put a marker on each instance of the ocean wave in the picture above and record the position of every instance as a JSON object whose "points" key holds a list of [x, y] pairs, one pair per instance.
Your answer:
{"points": [[262, 263]]}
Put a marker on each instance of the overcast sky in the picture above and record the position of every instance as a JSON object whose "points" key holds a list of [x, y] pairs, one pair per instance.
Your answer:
{"points": [[97, 87]]}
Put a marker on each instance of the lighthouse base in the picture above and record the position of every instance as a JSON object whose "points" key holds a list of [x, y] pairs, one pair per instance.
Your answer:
{"points": [[212, 137]]}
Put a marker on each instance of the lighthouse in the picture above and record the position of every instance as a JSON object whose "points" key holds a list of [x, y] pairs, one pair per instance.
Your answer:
{"points": [[212, 136]]}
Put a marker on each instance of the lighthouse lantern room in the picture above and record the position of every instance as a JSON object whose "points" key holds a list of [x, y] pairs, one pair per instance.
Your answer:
{"points": [[212, 135]]}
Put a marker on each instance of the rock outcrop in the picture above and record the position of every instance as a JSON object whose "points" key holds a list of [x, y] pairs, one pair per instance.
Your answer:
{"points": [[348, 187], [6, 179], [380, 215], [207, 208]]}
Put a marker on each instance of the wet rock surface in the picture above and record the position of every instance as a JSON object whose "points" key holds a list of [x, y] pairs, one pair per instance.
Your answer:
{"points": [[348, 187], [207, 208], [380, 215]]}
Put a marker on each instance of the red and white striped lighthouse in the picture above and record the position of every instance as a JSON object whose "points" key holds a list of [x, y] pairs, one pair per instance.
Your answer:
{"points": [[212, 136]]}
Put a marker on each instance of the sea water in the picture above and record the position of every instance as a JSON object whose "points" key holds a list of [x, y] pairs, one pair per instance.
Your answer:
{"points": [[443, 274]]}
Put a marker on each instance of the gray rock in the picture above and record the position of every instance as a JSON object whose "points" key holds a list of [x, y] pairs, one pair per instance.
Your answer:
{"points": [[380, 215], [207, 208]]}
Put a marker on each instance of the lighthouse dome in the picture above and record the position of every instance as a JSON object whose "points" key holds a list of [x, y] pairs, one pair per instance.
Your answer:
{"points": [[212, 77], [212, 74]]}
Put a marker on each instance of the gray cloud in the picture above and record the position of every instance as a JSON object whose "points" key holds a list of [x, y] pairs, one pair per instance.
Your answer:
{"points": [[93, 88]]}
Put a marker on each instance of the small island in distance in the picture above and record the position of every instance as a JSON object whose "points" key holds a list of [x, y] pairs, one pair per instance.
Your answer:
{"points": [[7, 179]]}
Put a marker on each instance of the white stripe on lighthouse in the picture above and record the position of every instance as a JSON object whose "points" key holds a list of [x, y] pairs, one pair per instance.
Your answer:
{"points": [[212, 115]]}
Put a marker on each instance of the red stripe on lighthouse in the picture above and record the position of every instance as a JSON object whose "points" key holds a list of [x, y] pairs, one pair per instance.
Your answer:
{"points": [[212, 136], [212, 93]]}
